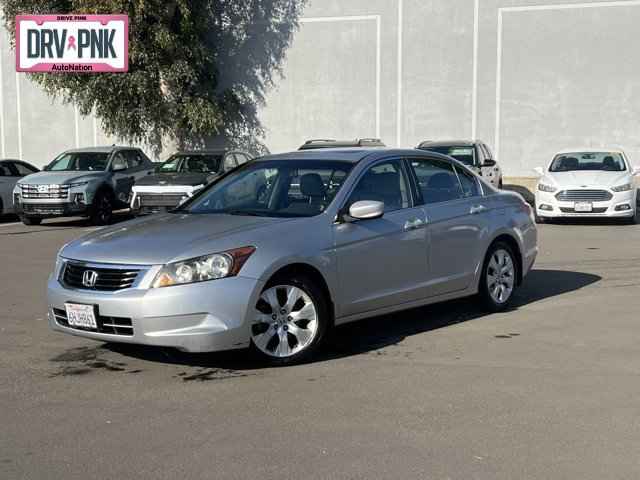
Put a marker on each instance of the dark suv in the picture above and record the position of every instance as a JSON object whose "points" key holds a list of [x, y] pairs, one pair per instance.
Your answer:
{"points": [[182, 175], [473, 153]]}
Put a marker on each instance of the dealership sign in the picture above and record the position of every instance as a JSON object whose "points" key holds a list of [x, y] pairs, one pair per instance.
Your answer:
{"points": [[72, 43]]}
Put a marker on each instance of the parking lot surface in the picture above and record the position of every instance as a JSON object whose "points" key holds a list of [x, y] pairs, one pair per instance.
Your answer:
{"points": [[547, 390]]}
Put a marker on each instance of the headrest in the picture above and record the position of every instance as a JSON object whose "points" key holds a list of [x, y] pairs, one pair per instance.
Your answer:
{"points": [[311, 185], [442, 180]]}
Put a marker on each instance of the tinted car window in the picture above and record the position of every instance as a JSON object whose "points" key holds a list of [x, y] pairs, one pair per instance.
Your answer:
{"points": [[384, 182], [437, 180], [23, 169], [4, 170], [464, 154], [201, 163], [82, 161], [468, 182], [134, 159], [229, 162]]}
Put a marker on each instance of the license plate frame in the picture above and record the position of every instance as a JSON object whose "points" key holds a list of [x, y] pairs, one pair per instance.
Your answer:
{"points": [[583, 207], [81, 315]]}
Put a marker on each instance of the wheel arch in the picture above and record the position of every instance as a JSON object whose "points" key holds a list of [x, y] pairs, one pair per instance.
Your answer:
{"points": [[510, 240], [308, 270]]}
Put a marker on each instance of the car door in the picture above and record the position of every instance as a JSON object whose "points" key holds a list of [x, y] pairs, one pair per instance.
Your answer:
{"points": [[382, 262], [123, 179], [456, 221], [7, 181]]}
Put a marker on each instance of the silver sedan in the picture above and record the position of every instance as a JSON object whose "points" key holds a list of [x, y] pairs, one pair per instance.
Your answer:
{"points": [[277, 252]]}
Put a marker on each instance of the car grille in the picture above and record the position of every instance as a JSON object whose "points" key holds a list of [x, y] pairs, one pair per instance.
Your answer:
{"points": [[43, 208], [155, 200], [584, 196], [110, 325], [45, 191], [572, 210], [108, 279]]}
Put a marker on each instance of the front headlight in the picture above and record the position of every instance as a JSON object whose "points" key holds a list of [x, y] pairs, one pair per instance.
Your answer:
{"points": [[622, 188], [546, 188], [202, 269], [78, 184]]}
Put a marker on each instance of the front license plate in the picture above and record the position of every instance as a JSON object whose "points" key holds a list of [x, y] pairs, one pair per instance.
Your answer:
{"points": [[583, 207], [83, 316]]}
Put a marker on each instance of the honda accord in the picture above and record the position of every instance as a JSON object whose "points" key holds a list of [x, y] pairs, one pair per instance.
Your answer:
{"points": [[275, 253]]}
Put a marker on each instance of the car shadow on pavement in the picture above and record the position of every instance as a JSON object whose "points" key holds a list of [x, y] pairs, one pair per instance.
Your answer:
{"points": [[376, 333]]}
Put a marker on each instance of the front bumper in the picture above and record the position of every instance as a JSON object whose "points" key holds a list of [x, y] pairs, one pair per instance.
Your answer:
{"points": [[604, 209], [200, 317]]}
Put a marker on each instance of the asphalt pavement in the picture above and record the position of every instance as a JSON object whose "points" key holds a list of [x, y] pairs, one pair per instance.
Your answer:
{"points": [[548, 390]]}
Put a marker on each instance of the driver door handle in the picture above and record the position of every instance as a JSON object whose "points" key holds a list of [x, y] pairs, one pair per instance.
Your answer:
{"points": [[477, 209], [414, 224]]}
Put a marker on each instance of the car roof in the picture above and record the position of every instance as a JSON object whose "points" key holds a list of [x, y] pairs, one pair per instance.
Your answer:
{"points": [[352, 155], [319, 143], [448, 143], [209, 151], [590, 150], [106, 149]]}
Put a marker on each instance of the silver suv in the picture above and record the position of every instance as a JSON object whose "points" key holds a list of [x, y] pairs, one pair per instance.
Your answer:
{"points": [[88, 182], [475, 154], [275, 253]]}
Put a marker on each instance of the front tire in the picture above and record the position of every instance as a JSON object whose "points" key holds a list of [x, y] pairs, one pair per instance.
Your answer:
{"points": [[102, 209], [31, 220], [291, 319], [499, 277]]}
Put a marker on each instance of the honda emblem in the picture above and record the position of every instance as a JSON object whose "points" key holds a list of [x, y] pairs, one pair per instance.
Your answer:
{"points": [[89, 278]]}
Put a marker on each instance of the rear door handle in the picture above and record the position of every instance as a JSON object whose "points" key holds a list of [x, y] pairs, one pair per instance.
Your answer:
{"points": [[414, 224], [477, 209]]}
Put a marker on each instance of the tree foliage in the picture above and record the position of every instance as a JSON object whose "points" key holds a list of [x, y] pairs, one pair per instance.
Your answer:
{"points": [[198, 69]]}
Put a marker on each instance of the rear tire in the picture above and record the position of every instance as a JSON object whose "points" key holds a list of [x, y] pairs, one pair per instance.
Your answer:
{"points": [[102, 209], [499, 277], [291, 320], [31, 220]]}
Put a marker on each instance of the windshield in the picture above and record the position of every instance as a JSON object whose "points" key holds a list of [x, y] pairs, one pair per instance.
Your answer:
{"points": [[605, 161], [465, 155], [197, 163], [278, 188], [81, 161]]}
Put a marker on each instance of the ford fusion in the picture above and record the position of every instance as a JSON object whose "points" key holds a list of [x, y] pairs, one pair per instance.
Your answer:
{"points": [[587, 184], [280, 250]]}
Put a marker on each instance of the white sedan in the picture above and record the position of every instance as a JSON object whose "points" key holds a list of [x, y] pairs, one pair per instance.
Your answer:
{"points": [[588, 183]]}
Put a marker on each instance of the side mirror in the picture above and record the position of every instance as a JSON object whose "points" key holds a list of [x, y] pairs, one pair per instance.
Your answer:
{"points": [[539, 171], [366, 210], [489, 162]]}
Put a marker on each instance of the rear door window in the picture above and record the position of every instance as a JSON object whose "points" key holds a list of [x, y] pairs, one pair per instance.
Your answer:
{"points": [[437, 180]]}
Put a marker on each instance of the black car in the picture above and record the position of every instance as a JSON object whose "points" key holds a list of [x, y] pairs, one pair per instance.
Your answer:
{"points": [[183, 174], [473, 153]]}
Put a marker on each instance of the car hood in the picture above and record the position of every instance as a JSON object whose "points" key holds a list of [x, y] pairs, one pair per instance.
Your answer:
{"points": [[164, 238], [60, 178], [175, 179], [587, 179]]}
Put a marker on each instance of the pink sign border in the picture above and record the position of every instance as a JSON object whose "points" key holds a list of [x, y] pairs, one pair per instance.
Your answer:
{"points": [[96, 67]]}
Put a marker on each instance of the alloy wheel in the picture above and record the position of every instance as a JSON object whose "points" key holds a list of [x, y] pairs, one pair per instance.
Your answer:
{"points": [[285, 321], [501, 276]]}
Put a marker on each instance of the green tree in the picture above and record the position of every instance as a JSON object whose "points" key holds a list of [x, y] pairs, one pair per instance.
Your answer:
{"points": [[198, 69]]}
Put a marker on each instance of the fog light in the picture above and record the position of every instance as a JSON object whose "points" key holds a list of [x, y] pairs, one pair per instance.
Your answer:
{"points": [[79, 198], [623, 208], [545, 207], [16, 198]]}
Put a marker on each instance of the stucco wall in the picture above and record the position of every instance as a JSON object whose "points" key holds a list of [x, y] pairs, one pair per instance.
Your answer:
{"points": [[528, 77]]}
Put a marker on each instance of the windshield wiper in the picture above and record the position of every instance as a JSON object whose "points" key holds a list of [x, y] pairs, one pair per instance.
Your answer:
{"points": [[249, 213]]}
